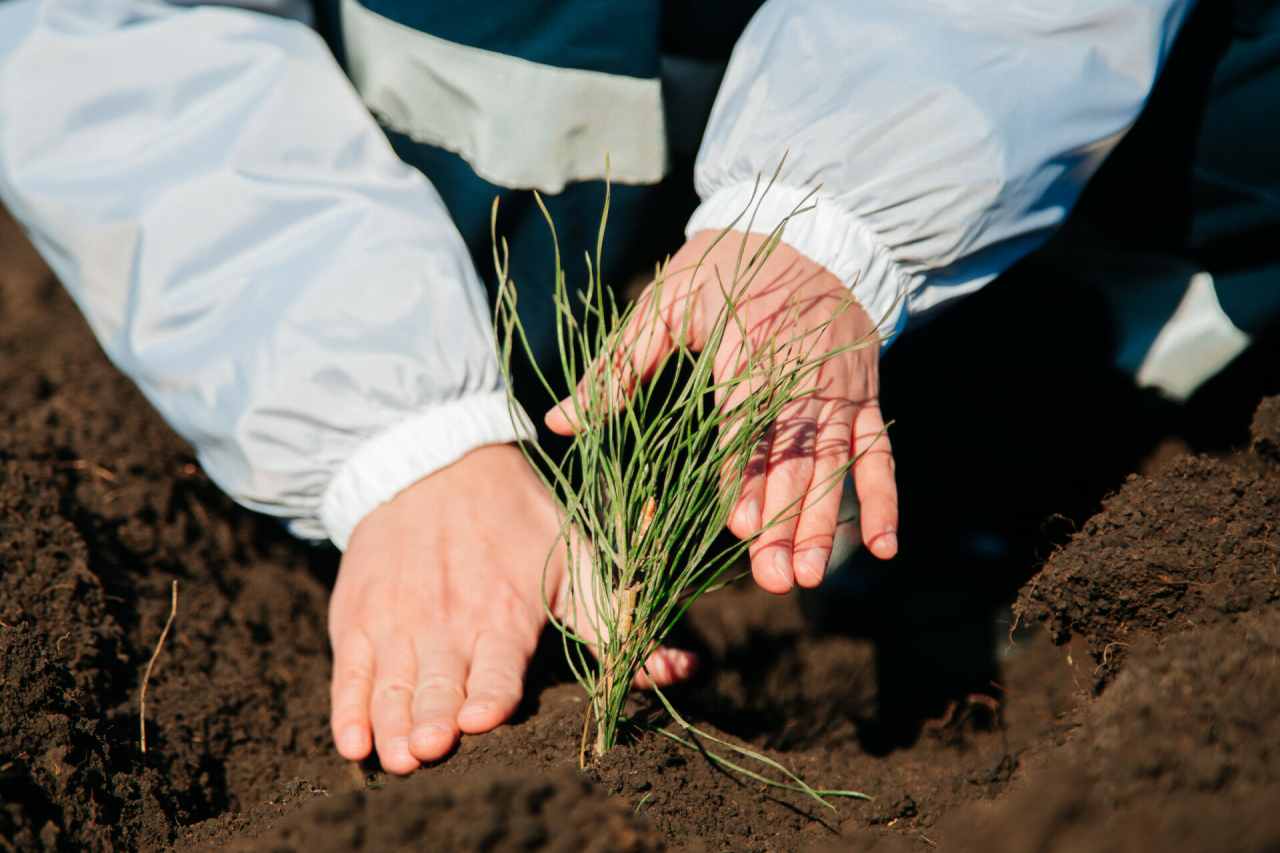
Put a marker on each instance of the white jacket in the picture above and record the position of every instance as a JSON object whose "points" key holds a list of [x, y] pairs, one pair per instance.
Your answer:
{"points": [[295, 301]]}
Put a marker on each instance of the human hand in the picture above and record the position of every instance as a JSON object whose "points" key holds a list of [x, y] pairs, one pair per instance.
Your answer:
{"points": [[813, 438], [438, 607]]}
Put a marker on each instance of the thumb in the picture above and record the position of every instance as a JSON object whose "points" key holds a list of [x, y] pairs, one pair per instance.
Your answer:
{"points": [[631, 356]]}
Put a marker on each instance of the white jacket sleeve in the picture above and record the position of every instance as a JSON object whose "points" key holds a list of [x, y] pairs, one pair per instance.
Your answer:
{"points": [[948, 139], [247, 247]]}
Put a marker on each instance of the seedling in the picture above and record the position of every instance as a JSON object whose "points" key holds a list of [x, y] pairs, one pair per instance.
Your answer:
{"points": [[654, 468]]}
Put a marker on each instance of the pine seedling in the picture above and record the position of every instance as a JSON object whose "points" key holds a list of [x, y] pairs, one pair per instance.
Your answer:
{"points": [[655, 467]]}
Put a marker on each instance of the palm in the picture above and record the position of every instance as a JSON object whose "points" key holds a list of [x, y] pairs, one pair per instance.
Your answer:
{"points": [[812, 441]]}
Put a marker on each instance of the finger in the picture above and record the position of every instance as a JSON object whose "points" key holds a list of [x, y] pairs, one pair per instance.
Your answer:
{"points": [[390, 708], [816, 527], [789, 472], [349, 693], [873, 478], [748, 512], [732, 360], [496, 681], [665, 667], [574, 601], [644, 342], [438, 695]]}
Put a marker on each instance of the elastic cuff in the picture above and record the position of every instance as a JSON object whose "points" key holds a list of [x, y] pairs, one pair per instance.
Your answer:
{"points": [[393, 460], [827, 235]]}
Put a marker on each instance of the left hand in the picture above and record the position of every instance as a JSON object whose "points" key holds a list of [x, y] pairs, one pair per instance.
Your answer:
{"points": [[438, 607], [813, 438]]}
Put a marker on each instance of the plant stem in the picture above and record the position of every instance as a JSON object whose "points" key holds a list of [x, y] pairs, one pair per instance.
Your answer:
{"points": [[606, 734]]}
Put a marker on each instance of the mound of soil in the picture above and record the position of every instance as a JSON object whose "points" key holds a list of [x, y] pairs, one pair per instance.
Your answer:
{"points": [[488, 810], [1142, 720], [1190, 546], [1177, 578], [1181, 753]]}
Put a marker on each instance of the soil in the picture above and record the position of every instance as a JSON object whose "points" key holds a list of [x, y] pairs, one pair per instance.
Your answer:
{"points": [[1143, 718], [1194, 545]]}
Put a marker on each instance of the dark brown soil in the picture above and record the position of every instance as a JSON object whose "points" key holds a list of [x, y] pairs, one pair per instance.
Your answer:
{"points": [[1181, 753], [101, 508], [1266, 432], [1143, 719], [1193, 545], [490, 809]]}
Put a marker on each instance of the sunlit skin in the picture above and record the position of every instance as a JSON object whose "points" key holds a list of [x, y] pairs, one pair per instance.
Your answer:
{"points": [[438, 603], [438, 608], [814, 437]]}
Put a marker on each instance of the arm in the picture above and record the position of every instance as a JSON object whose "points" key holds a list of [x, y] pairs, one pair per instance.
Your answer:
{"points": [[290, 296], [948, 140], [943, 142]]}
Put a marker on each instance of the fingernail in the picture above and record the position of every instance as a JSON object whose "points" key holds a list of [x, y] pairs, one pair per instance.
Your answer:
{"points": [[890, 540], [814, 563], [471, 709], [782, 563], [355, 739], [428, 730], [754, 519]]}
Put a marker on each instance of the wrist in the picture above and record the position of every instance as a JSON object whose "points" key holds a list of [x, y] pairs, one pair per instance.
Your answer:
{"points": [[829, 236], [432, 495], [402, 455]]}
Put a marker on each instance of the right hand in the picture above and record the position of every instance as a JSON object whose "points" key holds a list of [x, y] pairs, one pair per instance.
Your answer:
{"points": [[814, 438]]}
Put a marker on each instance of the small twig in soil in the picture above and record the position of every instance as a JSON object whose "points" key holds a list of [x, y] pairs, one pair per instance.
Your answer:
{"points": [[197, 509], [84, 464], [1012, 628], [113, 494], [142, 703], [1106, 655], [582, 753]]}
